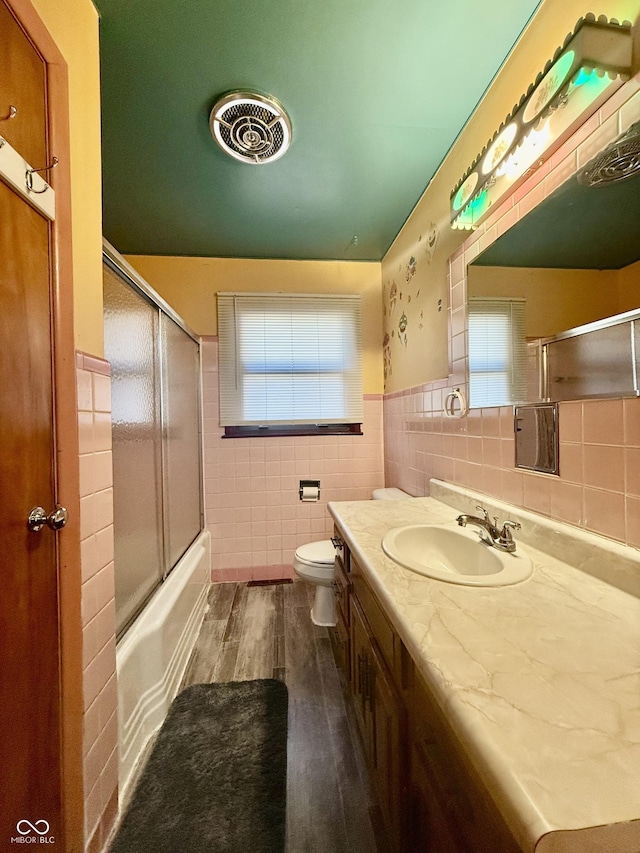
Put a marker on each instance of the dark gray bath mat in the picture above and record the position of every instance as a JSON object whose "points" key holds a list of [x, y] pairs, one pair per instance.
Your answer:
{"points": [[216, 778]]}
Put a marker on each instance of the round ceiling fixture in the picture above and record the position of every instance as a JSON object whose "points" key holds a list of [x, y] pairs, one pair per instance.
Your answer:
{"points": [[250, 127], [619, 160]]}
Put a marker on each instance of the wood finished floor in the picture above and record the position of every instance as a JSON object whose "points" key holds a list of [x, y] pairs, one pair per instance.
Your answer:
{"points": [[266, 632]]}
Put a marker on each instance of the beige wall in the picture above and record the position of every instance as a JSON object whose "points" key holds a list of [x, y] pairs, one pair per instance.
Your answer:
{"points": [[556, 299], [190, 285], [423, 356], [559, 299], [629, 287], [73, 25]]}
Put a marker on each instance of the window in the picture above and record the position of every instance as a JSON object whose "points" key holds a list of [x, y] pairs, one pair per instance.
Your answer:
{"points": [[289, 363], [497, 352]]}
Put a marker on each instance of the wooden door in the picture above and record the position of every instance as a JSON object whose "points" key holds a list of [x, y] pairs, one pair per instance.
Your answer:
{"points": [[22, 92], [30, 740]]}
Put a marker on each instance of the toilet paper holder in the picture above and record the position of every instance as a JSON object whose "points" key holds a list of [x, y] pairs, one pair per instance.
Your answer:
{"points": [[309, 490]]}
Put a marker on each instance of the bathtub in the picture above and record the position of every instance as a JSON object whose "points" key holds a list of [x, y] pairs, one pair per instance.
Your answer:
{"points": [[152, 656]]}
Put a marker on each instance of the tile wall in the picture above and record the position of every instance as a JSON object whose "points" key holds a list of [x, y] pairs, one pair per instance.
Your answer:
{"points": [[252, 505], [599, 483], [98, 603]]}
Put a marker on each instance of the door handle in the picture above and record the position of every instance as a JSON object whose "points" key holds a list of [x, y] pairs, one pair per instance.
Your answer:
{"points": [[371, 687], [56, 520]]}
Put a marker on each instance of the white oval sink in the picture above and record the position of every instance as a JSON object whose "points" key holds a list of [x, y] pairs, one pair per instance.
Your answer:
{"points": [[454, 555]]}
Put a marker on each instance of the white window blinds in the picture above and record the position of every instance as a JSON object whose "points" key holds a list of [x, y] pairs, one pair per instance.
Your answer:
{"points": [[289, 359], [497, 352]]}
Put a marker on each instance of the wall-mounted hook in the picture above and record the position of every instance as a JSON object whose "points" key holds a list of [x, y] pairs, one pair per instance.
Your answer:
{"points": [[30, 173], [13, 112]]}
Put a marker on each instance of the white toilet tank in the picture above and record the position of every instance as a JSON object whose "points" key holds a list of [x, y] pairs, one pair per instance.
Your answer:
{"points": [[389, 495]]}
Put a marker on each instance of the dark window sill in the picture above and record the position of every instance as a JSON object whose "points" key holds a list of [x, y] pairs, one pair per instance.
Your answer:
{"points": [[280, 430]]}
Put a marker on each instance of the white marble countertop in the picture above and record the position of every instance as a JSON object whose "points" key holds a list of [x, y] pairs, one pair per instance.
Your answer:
{"points": [[541, 680]]}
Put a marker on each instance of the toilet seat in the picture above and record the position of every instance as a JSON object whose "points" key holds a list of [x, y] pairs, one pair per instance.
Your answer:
{"points": [[321, 554]]}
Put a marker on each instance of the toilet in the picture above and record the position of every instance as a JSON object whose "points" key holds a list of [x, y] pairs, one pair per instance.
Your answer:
{"points": [[314, 563]]}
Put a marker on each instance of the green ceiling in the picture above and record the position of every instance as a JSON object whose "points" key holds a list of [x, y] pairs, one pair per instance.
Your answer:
{"points": [[377, 91]]}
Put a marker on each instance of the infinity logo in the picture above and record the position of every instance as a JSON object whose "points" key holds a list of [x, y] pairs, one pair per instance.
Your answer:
{"points": [[32, 827]]}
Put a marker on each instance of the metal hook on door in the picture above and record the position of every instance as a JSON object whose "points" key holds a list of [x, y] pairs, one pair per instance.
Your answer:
{"points": [[13, 112], [31, 172]]}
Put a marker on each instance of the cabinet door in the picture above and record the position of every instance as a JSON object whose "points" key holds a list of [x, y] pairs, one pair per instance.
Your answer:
{"points": [[342, 551], [342, 646], [428, 828], [341, 586], [360, 674], [388, 738], [379, 627], [22, 86], [455, 803]]}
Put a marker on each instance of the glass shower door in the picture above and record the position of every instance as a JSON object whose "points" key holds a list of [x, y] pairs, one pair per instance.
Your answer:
{"points": [[131, 346], [181, 428]]}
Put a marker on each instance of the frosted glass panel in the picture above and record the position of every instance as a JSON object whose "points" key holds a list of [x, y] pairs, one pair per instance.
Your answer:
{"points": [[131, 341], [181, 414], [594, 364]]}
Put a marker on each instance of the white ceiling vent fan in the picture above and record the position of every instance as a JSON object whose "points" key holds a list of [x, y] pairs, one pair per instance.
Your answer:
{"points": [[250, 127]]}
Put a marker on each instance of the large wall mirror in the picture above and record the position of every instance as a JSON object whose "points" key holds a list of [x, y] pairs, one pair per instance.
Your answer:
{"points": [[573, 260]]}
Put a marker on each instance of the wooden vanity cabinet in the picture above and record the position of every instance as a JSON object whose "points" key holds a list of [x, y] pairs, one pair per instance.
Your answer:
{"points": [[451, 808], [431, 798], [376, 683], [381, 716]]}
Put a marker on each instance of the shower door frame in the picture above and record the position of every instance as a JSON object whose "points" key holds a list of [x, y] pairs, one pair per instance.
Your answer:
{"points": [[120, 267]]}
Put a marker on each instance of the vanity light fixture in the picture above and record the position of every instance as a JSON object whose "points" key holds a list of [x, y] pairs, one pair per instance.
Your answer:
{"points": [[594, 61]]}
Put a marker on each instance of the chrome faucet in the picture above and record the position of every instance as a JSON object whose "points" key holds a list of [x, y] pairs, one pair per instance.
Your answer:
{"points": [[490, 533]]}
